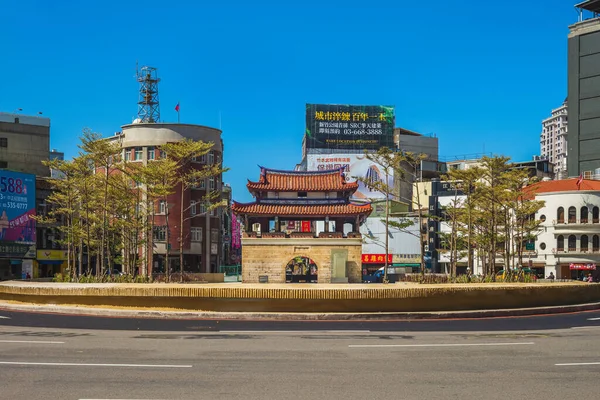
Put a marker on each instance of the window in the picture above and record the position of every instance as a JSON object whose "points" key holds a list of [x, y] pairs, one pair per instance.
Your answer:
{"points": [[584, 243], [3, 142], [543, 246], [127, 154], [211, 183], [193, 207], [160, 233], [560, 215], [595, 212], [151, 153], [202, 184], [560, 243], [163, 154], [583, 215], [196, 234], [595, 243], [202, 208], [302, 194], [138, 154], [162, 207], [572, 243], [3, 164], [214, 235], [542, 218], [203, 158], [572, 215], [211, 157]]}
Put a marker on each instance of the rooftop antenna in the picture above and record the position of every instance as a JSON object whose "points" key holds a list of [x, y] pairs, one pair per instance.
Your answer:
{"points": [[148, 105]]}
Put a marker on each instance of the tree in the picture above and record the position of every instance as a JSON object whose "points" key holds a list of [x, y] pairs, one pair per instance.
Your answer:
{"points": [[186, 176], [402, 167]]}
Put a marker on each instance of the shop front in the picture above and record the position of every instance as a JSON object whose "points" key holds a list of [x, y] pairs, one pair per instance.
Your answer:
{"points": [[50, 263], [580, 271]]}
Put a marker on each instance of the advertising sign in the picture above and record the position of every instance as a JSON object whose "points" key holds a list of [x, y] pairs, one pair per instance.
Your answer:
{"points": [[336, 126], [376, 258], [52, 255], [17, 205], [356, 165]]}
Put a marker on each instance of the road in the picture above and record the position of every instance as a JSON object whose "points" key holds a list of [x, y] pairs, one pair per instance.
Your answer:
{"points": [[253, 360]]}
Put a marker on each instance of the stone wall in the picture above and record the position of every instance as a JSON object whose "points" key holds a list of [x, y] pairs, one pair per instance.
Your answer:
{"points": [[269, 256]]}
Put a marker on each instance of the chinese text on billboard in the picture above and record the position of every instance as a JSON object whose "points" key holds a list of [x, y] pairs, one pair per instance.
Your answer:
{"points": [[17, 205], [332, 126]]}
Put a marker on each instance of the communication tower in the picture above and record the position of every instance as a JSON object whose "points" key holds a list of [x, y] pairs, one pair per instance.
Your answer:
{"points": [[148, 105]]}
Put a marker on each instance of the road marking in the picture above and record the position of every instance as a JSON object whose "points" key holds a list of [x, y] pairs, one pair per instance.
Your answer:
{"points": [[93, 365], [298, 332], [441, 344], [30, 341], [2, 317], [575, 364], [593, 319], [586, 327]]}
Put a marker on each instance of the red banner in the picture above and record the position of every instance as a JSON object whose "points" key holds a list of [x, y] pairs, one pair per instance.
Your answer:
{"points": [[375, 258], [305, 226], [586, 267]]}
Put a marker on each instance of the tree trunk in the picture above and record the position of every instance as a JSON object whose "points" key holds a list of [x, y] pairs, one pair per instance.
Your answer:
{"points": [[168, 243], [181, 216]]}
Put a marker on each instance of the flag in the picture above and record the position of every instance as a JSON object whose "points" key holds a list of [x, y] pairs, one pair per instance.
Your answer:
{"points": [[579, 180], [177, 107]]}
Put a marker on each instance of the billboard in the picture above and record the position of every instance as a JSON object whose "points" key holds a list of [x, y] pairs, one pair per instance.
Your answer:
{"points": [[17, 205], [356, 165], [335, 126]]}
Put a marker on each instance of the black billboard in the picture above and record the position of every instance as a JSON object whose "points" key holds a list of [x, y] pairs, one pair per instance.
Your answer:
{"points": [[337, 126]]}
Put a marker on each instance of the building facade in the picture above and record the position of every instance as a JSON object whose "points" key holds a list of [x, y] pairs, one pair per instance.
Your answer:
{"points": [[202, 243], [295, 230], [24, 143], [584, 91], [568, 244], [553, 140]]}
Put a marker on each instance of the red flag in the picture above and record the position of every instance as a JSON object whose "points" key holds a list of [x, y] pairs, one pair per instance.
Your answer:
{"points": [[579, 180], [177, 107]]}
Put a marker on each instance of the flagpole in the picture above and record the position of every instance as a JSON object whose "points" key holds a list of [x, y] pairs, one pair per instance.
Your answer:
{"points": [[178, 113]]}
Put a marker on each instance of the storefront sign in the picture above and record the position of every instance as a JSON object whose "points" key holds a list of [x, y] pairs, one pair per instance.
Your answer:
{"points": [[585, 267], [59, 255], [375, 258], [16, 250], [305, 226]]}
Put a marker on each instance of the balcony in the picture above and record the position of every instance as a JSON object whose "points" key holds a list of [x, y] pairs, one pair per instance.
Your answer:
{"points": [[302, 235], [575, 251], [562, 224]]}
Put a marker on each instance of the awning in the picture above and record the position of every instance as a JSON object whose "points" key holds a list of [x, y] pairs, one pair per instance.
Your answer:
{"points": [[584, 267]]}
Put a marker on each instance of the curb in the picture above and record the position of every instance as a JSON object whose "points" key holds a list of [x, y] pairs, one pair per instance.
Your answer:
{"points": [[248, 316]]}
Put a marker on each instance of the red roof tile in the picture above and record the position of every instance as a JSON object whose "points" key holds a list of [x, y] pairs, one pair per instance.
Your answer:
{"points": [[301, 210], [563, 185], [297, 181]]}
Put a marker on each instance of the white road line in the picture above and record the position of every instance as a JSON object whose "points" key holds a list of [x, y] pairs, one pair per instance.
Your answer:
{"points": [[440, 345], [2, 317], [593, 319], [296, 332], [586, 327], [575, 364], [93, 365], [30, 341]]}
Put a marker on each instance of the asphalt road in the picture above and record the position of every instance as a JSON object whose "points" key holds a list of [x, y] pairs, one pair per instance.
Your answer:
{"points": [[343, 363]]}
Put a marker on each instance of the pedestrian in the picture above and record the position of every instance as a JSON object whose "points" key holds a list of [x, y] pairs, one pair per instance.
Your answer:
{"points": [[28, 276], [551, 276]]}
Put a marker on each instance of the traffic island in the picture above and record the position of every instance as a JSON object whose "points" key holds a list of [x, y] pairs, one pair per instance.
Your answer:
{"points": [[305, 298]]}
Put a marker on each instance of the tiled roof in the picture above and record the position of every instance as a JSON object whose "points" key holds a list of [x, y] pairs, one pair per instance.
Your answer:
{"points": [[563, 185], [301, 181], [300, 210]]}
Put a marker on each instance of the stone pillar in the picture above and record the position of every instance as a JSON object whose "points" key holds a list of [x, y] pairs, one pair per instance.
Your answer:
{"points": [[326, 224]]}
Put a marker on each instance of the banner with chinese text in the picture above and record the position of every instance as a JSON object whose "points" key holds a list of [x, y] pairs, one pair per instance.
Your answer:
{"points": [[17, 205]]}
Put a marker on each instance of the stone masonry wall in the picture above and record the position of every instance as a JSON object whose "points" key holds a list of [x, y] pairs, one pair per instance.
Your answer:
{"points": [[265, 256]]}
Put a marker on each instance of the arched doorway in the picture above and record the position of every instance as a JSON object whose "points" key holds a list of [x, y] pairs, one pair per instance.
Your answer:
{"points": [[301, 269]]}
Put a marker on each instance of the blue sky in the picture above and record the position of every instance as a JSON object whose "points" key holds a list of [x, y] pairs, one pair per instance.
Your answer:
{"points": [[476, 74]]}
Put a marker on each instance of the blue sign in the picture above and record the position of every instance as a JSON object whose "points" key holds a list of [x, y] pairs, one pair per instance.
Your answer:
{"points": [[17, 205]]}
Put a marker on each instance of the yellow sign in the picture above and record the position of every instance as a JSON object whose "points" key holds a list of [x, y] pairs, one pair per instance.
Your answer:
{"points": [[51, 254]]}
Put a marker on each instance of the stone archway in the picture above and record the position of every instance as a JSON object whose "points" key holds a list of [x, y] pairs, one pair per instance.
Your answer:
{"points": [[301, 269]]}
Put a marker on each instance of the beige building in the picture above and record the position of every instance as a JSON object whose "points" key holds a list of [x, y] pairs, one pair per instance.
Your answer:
{"points": [[553, 140], [24, 143]]}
